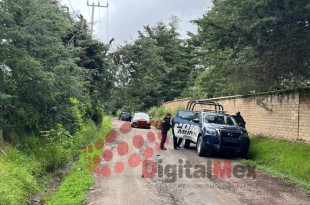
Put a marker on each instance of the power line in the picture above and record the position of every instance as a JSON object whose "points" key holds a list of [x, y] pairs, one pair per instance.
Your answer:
{"points": [[93, 12]]}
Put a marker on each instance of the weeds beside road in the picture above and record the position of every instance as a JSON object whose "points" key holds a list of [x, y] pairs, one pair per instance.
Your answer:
{"points": [[27, 168], [284, 159], [73, 189]]}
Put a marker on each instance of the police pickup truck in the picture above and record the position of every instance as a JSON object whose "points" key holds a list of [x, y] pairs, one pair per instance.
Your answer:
{"points": [[213, 131]]}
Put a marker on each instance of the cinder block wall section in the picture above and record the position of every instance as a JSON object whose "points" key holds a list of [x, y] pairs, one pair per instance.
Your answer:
{"points": [[279, 115], [304, 117], [179, 103]]}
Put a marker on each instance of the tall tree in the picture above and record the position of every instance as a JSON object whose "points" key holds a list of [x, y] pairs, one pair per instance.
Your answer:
{"points": [[41, 73], [140, 68], [92, 55], [55, 74], [255, 45], [158, 60], [174, 51]]}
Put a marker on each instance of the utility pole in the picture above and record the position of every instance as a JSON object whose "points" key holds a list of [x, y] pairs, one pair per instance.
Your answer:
{"points": [[93, 13]]}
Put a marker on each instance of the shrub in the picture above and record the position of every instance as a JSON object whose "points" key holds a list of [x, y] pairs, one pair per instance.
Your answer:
{"points": [[160, 112], [73, 188], [27, 165]]}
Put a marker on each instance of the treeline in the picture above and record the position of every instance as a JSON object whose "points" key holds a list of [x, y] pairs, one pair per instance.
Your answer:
{"points": [[153, 68], [241, 47], [54, 78], [54, 74]]}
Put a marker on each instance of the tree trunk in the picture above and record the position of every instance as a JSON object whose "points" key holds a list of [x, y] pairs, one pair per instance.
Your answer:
{"points": [[1, 109]]}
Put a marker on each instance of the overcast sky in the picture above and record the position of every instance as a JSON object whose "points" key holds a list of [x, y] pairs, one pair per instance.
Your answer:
{"points": [[126, 17]]}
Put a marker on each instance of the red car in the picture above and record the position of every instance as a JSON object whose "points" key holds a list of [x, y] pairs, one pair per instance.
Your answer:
{"points": [[141, 120]]}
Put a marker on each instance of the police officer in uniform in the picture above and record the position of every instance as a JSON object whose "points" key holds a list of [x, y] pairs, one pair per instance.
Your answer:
{"points": [[164, 130], [176, 141], [239, 119]]}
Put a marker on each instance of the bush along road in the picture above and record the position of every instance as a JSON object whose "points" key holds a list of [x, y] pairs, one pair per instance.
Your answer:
{"points": [[73, 188]]}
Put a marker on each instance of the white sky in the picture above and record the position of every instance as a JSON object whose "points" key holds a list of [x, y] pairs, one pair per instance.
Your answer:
{"points": [[126, 17]]}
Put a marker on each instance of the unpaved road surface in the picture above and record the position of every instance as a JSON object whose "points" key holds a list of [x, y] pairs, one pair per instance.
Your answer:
{"points": [[128, 185]]}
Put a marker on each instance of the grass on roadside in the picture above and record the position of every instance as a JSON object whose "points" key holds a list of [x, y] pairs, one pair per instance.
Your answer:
{"points": [[27, 167], [281, 158], [73, 189], [18, 176]]}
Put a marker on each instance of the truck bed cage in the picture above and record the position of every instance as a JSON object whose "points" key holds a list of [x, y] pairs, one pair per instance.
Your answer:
{"points": [[192, 103]]}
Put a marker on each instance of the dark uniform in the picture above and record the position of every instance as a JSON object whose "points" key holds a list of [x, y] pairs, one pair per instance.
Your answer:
{"points": [[239, 119], [164, 131], [176, 141]]}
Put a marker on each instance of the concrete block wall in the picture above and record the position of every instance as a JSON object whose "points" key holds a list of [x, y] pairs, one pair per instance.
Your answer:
{"points": [[304, 117], [176, 103], [279, 115]]}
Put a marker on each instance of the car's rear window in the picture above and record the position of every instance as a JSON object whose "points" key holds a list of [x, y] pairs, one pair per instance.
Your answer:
{"points": [[142, 115]]}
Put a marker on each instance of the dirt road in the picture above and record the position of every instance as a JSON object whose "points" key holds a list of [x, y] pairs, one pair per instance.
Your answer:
{"points": [[181, 176]]}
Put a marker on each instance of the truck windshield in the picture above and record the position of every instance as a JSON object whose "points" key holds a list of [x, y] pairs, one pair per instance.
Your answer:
{"points": [[219, 119]]}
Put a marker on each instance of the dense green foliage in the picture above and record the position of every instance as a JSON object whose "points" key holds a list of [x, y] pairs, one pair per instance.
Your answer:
{"points": [[158, 113], [19, 176], [55, 74], [154, 68], [281, 158], [54, 78], [256, 46], [23, 171], [73, 189], [241, 47]]}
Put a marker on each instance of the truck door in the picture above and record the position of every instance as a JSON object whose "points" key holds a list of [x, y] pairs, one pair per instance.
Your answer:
{"points": [[184, 127]]}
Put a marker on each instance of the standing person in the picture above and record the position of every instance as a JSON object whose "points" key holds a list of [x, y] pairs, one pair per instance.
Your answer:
{"points": [[164, 130], [176, 141], [240, 119]]}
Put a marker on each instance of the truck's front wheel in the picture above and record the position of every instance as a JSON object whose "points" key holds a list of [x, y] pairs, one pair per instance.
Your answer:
{"points": [[200, 148]]}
